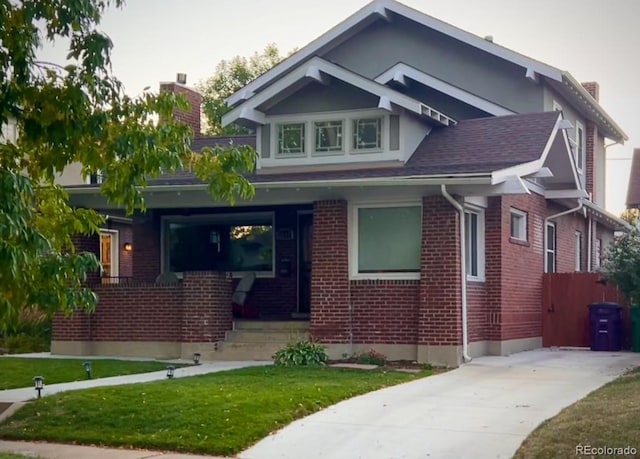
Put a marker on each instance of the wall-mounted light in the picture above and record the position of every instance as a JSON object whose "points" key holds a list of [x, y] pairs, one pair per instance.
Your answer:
{"points": [[128, 247], [87, 368], [38, 381]]}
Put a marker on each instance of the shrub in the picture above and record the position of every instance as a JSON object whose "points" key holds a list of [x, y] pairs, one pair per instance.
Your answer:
{"points": [[372, 357], [23, 344], [301, 353], [622, 265]]}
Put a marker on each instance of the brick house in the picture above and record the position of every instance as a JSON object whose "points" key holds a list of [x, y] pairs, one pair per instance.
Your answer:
{"points": [[413, 184]]}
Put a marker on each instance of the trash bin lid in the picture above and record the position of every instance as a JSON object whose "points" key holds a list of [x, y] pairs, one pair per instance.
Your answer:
{"points": [[605, 305]]}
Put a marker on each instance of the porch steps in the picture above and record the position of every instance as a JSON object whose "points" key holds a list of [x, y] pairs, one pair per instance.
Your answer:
{"points": [[259, 340]]}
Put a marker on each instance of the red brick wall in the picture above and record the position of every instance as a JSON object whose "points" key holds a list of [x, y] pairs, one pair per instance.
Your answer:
{"points": [[146, 246], [385, 311], [89, 244], [125, 234], [192, 116], [439, 314], [330, 316], [591, 139], [198, 310], [477, 312]]}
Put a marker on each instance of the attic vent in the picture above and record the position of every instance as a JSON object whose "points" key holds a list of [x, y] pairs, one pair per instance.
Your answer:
{"points": [[181, 78], [489, 38]]}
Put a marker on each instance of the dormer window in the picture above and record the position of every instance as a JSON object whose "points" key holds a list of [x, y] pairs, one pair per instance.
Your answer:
{"points": [[329, 136], [291, 140], [367, 134]]}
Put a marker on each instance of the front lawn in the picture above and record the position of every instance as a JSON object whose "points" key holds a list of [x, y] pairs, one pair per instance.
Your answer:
{"points": [[607, 418], [221, 413], [18, 372]]}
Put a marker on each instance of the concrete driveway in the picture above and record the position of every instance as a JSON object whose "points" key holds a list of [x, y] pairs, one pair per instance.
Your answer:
{"points": [[484, 409]]}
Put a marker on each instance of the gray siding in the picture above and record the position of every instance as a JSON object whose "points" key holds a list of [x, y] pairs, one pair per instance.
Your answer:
{"points": [[384, 44], [265, 141], [316, 97], [442, 102]]}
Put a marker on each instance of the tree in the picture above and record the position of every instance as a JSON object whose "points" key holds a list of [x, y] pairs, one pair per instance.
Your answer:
{"points": [[630, 216], [228, 78], [622, 265], [78, 112]]}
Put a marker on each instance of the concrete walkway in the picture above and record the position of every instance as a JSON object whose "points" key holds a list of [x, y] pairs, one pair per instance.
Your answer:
{"points": [[485, 409]]}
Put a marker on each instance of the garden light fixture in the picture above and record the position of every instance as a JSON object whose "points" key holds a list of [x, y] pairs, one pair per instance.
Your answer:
{"points": [[196, 358], [39, 383], [170, 370], [87, 368]]}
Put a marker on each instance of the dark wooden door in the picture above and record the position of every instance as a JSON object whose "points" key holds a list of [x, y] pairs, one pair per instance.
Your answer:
{"points": [[305, 235]]}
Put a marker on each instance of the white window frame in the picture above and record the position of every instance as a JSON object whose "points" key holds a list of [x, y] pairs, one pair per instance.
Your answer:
{"points": [[353, 240], [381, 124], [580, 148], [305, 138], [315, 151], [480, 244], [597, 261], [348, 153], [578, 252], [115, 251], [548, 251], [217, 218], [522, 228]]}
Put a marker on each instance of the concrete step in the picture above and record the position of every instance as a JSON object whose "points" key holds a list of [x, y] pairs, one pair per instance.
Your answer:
{"points": [[267, 336], [277, 325], [244, 351]]}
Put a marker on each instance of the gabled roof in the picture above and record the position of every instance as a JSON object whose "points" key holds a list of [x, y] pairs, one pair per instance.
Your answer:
{"points": [[633, 191], [318, 69], [562, 81]]}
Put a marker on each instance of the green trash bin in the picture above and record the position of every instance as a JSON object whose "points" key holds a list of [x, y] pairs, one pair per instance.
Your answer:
{"points": [[635, 328]]}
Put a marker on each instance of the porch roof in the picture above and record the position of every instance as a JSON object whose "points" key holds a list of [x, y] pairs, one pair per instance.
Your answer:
{"points": [[472, 147]]}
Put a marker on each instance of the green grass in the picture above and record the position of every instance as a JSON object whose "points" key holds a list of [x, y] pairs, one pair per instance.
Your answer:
{"points": [[608, 417], [18, 372], [16, 456], [221, 413]]}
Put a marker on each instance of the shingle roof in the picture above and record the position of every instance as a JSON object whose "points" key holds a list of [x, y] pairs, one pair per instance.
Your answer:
{"points": [[472, 146], [633, 192], [199, 143]]}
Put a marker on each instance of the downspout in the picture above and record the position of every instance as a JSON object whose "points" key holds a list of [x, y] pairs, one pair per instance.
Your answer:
{"points": [[590, 236], [553, 217], [463, 272]]}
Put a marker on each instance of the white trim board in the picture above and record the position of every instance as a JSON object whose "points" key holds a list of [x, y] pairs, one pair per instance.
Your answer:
{"points": [[400, 71]]}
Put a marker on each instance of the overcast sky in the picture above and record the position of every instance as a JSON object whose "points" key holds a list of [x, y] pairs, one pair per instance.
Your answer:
{"points": [[595, 40]]}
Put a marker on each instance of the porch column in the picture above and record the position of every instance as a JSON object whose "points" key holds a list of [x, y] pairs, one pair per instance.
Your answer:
{"points": [[330, 320], [440, 314], [146, 247], [206, 313]]}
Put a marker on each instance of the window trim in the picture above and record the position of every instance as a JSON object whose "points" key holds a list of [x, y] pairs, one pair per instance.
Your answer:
{"points": [[115, 251], [348, 153], [578, 252], [523, 227], [305, 140], [352, 227], [314, 151], [547, 251], [481, 244], [597, 260], [352, 145], [580, 148], [216, 218]]}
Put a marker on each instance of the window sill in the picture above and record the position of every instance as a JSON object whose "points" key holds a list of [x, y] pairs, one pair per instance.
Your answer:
{"points": [[385, 276], [517, 241], [476, 280]]}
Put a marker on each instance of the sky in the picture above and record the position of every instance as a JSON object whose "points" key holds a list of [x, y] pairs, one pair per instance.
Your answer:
{"points": [[595, 40]]}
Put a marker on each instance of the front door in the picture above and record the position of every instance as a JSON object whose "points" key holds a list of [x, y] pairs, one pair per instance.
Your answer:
{"points": [[305, 234]]}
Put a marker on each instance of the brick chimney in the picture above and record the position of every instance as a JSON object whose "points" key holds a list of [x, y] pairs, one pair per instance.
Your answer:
{"points": [[592, 88], [192, 116]]}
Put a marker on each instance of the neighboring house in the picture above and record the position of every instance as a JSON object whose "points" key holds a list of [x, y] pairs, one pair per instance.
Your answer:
{"points": [[633, 191], [413, 184]]}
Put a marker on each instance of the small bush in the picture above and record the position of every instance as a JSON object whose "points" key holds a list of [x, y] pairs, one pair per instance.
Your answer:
{"points": [[372, 358], [23, 344], [301, 353]]}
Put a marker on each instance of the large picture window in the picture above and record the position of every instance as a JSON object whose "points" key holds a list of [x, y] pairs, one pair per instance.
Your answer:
{"points": [[388, 239], [232, 243]]}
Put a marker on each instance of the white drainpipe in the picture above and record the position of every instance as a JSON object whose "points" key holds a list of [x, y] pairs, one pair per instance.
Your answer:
{"points": [[463, 271], [590, 236], [553, 217]]}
